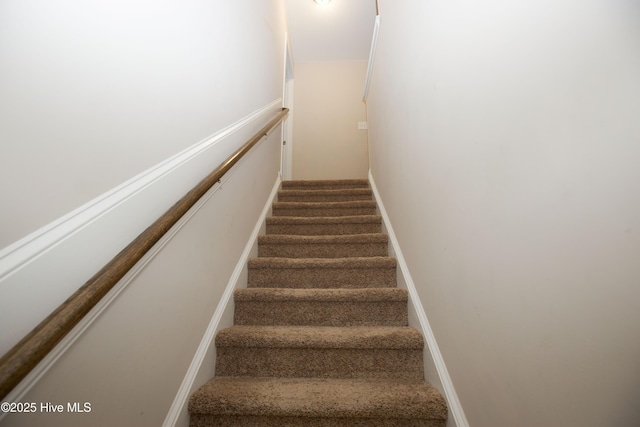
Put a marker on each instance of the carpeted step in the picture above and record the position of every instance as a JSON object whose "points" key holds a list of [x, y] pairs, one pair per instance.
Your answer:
{"points": [[320, 352], [321, 335], [367, 272], [321, 307], [325, 184], [324, 225], [315, 402], [353, 245], [358, 207], [341, 195]]}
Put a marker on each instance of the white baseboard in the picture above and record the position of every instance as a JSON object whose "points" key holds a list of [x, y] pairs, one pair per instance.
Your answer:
{"points": [[179, 405], [455, 408]]}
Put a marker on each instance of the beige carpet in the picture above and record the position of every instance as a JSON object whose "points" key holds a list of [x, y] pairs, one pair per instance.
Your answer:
{"points": [[321, 335]]}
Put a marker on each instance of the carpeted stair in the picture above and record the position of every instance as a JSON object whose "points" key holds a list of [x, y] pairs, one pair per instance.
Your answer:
{"points": [[321, 335]]}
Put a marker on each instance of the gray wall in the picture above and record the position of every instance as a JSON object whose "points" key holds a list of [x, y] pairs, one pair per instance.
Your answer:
{"points": [[504, 141]]}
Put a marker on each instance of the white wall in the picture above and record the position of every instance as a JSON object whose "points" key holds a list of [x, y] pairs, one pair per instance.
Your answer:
{"points": [[93, 93], [130, 104], [196, 71], [328, 106], [504, 142], [130, 362]]}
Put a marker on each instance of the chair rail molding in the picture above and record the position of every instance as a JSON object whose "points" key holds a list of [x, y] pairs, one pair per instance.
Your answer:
{"points": [[52, 263]]}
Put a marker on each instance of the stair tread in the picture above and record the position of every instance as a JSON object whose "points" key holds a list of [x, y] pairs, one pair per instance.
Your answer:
{"points": [[319, 397], [321, 295], [362, 337], [302, 220], [323, 239], [325, 182], [330, 263], [332, 205], [326, 192]]}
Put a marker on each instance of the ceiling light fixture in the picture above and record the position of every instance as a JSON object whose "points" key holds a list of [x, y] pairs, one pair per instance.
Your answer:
{"points": [[322, 2]]}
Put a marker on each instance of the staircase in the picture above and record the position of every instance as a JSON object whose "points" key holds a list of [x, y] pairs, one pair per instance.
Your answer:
{"points": [[320, 335]]}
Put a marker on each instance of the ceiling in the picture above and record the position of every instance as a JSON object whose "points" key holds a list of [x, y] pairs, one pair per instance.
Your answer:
{"points": [[339, 31]]}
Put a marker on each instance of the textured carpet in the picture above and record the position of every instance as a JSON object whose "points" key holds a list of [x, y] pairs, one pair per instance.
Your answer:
{"points": [[321, 335]]}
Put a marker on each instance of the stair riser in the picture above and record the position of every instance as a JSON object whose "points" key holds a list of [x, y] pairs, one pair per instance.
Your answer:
{"points": [[265, 399], [323, 229], [198, 420], [333, 250], [377, 363], [319, 211], [323, 198], [350, 278], [325, 186], [325, 313]]}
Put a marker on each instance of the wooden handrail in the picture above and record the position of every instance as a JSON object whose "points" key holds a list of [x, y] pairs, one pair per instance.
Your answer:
{"points": [[25, 355]]}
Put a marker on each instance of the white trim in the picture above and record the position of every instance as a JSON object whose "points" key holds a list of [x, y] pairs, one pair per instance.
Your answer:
{"points": [[182, 397], [372, 57], [25, 250], [455, 408]]}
